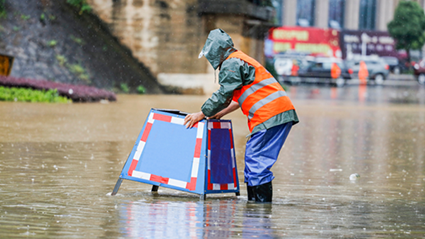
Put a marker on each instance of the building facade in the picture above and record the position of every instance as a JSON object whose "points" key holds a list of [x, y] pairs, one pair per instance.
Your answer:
{"points": [[339, 14]]}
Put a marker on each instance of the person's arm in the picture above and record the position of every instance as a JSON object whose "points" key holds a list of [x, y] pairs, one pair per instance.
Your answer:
{"points": [[234, 73], [231, 78], [229, 109]]}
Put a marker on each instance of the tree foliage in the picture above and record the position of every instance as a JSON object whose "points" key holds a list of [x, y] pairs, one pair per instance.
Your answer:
{"points": [[408, 26]]}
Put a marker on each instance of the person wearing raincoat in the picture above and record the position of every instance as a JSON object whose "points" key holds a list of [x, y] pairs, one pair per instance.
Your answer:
{"points": [[246, 84]]}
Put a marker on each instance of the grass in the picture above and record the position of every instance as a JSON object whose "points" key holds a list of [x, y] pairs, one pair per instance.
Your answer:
{"points": [[52, 43], [78, 93], [25, 17], [77, 40], [61, 59], [30, 95], [78, 70]]}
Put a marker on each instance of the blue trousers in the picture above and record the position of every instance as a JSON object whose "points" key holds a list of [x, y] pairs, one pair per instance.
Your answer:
{"points": [[262, 150]]}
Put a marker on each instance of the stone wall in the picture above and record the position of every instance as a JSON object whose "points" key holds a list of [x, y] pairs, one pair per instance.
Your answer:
{"points": [[164, 35], [51, 41], [167, 36]]}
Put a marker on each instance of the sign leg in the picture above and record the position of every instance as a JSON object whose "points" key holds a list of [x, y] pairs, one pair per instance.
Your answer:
{"points": [[203, 197], [238, 193], [155, 188], [117, 186]]}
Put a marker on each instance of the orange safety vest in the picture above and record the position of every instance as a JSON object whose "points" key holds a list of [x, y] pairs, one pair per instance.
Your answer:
{"points": [[363, 72], [263, 98], [294, 70], [335, 71]]}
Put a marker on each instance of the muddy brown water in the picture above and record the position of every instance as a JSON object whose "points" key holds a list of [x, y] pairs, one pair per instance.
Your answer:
{"points": [[59, 163]]}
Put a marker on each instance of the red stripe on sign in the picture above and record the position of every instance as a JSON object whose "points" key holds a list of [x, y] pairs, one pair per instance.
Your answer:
{"points": [[192, 185], [159, 179], [195, 125], [132, 167], [210, 186], [161, 117], [209, 139], [216, 125], [234, 177], [198, 147], [231, 138], [146, 132], [223, 186]]}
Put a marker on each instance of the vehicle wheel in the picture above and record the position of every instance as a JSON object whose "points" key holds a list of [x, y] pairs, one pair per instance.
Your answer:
{"points": [[294, 80], [379, 79], [397, 70], [421, 79], [340, 82]]}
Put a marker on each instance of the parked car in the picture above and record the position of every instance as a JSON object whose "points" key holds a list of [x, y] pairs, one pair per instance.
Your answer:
{"points": [[396, 66], [419, 72], [318, 70], [377, 68], [284, 63]]}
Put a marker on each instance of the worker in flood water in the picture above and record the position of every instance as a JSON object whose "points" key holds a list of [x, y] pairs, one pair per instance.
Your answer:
{"points": [[246, 84]]}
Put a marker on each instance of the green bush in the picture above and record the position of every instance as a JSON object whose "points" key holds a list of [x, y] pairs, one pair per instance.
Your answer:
{"points": [[2, 8], [61, 59], [30, 95], [25, 17], [52, 43], [124, 88], [82, 5], [79, 71], [141, 89], [77, 40]]}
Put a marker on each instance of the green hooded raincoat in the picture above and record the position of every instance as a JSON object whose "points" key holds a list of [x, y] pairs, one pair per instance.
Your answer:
{"points": [[234, 73]]}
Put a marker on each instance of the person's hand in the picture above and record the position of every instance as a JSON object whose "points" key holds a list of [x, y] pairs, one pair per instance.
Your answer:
{"points": [[217, 116], [191, 119]]}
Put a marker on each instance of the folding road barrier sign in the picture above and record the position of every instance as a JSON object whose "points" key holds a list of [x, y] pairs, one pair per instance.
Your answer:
{"points": [[198, 160]]}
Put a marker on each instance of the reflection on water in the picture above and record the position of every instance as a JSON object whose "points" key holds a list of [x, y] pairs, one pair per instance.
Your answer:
{"points": [[171, 219], [362, 93], [211, 219], [59, 163]]}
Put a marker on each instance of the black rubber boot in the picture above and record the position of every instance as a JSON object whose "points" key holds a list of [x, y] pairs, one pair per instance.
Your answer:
{"points": [[263, 192], [251, 196]]}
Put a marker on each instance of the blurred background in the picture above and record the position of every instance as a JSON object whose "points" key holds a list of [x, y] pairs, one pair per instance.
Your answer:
{"points": [[123, 45]]}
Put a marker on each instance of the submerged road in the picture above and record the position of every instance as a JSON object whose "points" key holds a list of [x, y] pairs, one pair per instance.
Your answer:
{"points": [[59, 164]]}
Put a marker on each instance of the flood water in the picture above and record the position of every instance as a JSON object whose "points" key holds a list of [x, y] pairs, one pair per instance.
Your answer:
{"points": [[59, 164]]}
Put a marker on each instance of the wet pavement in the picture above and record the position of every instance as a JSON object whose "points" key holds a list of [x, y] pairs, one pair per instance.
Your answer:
{"points": [[59, 163]]}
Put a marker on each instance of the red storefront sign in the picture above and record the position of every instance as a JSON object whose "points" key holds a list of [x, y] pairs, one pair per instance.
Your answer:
{"points": [[306, 39]]}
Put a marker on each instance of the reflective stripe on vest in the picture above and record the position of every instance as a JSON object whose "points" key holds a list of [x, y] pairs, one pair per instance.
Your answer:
{"points": [[264, 101], [254, 88], [263, 98]]}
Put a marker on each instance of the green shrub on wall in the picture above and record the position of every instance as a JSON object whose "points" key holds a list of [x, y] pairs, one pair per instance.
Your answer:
{"points": [[141, 89], [29, 95], [82, 5], [2, 8]]}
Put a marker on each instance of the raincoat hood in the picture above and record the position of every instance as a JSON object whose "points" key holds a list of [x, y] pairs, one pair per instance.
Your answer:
{"points": [[217, 48]]}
